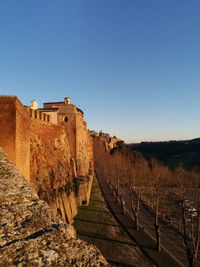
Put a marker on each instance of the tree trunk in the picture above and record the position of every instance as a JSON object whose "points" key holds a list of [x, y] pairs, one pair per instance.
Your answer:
{"points": [[136, 215], [191, 261], [136, 220], [157, 228], [137, 210], [135, 207], [122, 204]]}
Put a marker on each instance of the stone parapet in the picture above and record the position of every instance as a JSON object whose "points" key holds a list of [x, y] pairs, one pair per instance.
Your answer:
{"points": [[30, 234]]}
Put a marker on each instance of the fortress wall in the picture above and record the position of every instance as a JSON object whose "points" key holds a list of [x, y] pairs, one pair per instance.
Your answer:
{"points": [[81, 146], [47, 131], [87, 152], [70, 127], [14, 134], [22, 147], [85, 159], [90, 153], [8, 125], [49, 155], [51, 173], [84, 148], [67, 118]]}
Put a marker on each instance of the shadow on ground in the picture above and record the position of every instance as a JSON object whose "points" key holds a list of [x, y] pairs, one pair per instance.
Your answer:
{"points": [[95, 224]]}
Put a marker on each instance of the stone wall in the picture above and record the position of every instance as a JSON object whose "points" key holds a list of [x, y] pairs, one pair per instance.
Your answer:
{"points": [[72, 118], [81, 146], [70, 127], [50, 156], [8, 125], [14, 134], [90, 151], [22, 139], [51, 172], [30, 234]]}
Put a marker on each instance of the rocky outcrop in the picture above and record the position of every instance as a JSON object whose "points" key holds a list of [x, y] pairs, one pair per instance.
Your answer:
{"points": [[30, 234]]}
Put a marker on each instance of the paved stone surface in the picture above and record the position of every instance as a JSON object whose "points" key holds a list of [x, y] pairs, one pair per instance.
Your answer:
{"points": [[96, 225]]}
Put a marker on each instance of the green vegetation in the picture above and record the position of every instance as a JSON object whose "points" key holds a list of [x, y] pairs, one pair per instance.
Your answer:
{"points": [[172, 153]]}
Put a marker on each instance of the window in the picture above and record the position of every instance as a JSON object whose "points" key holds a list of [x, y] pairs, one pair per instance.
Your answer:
{"points": [[65, 119]]}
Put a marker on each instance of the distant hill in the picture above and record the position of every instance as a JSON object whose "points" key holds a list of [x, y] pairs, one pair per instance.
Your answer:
{"points": [[184, 153]]}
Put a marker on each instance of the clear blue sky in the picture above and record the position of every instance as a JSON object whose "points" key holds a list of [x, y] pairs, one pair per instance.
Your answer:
{"points": [[133, 66]]}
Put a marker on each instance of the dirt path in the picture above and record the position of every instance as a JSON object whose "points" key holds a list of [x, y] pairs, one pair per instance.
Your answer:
{"points": [[96, 225]]}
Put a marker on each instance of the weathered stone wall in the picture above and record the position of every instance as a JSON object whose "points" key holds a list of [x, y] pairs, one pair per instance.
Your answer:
{"points": [[8, 125], [70, 127], [72, 119], [84, 159], [85, 186], [90, 151], [51, 172], [81, 146], [14, 134], [50, 156], [22, 139], [30, 234]]}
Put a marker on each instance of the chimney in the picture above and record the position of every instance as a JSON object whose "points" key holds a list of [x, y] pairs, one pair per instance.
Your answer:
{"points": [[67, 100], [34, 104]]}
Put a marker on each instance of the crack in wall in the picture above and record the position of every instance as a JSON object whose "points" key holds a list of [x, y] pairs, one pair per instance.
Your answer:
{"points": [[33, 236]]}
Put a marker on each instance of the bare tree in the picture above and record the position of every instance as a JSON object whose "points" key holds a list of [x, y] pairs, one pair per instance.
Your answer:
{"points": [[156, 174], [191, 231], [156, 223], [134, 192], [135, 197]]}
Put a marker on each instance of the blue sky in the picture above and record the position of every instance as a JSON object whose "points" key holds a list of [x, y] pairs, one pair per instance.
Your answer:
{"points": [[133, 66]]}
